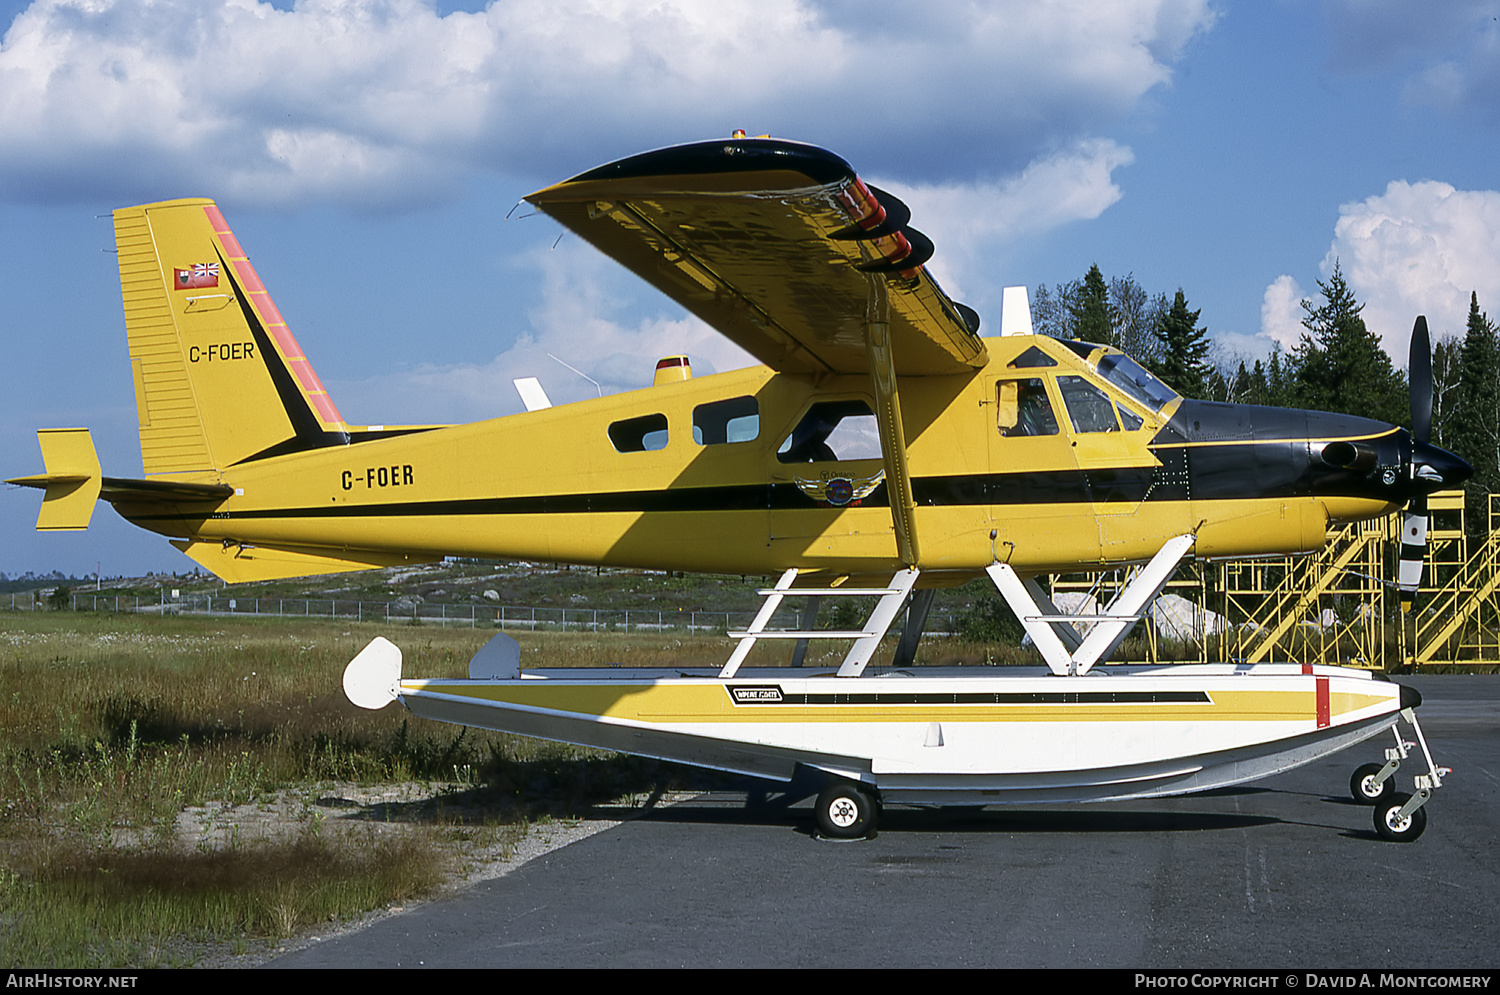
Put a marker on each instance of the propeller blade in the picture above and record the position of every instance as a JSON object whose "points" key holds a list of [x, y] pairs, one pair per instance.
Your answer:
{"points": [[1419, 371], [1414, 522], [1413, 551]]}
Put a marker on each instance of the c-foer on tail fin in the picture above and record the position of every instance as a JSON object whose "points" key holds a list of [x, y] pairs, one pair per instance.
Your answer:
{"points": [[219, 379]]}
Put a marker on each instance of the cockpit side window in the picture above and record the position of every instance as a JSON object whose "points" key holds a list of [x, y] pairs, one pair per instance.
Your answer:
{"points": [[1128, 375], [833, 430], [1023, 408], [1088, 407]]}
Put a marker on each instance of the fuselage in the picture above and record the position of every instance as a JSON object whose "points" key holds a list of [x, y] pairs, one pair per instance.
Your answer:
{"points": [[1056, 456]]}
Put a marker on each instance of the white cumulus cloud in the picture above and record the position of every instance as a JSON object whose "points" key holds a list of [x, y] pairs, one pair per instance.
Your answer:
{"points": [[387, 102], [998, 107], [1281, 312], [962, 218], [1419, 248]]}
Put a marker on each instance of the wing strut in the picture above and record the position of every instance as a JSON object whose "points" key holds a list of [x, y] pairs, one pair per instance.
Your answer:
{"points": [[888, 418]]}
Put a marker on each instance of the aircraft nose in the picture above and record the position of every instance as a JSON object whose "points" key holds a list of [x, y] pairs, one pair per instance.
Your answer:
{"points": [[1435, 469]]}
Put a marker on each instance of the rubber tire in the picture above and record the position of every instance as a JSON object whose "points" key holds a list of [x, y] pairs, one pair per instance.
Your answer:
{"points": [[1399, 833], [845, 811], [1361, 793]]}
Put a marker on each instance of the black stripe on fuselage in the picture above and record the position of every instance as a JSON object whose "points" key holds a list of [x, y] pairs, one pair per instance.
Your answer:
{"points": [[1193, 472]]}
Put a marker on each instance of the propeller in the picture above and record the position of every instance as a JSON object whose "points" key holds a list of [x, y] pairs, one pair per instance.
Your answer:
{"points": [[1414, 522]]}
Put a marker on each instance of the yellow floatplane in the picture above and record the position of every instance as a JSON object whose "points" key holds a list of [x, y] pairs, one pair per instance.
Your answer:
{"points": [[882, 450]]}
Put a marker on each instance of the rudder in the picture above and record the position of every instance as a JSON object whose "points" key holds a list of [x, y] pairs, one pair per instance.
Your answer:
{"points": [[219, 379]]}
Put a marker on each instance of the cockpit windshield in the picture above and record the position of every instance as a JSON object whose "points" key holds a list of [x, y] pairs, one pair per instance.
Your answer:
{"points": [[1128, 375]]}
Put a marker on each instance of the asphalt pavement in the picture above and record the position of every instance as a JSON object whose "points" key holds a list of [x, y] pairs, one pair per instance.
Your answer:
{"points": [[1286, 873]]}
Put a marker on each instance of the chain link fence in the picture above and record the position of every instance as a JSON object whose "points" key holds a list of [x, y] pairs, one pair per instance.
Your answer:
{"points": [[474, 615]]}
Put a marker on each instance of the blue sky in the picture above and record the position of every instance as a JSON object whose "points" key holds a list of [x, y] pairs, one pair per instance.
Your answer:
{"points": [[367, 153]]}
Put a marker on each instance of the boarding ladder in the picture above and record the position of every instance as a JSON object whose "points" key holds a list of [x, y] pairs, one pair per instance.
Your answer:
{"points": [[866, 640]]}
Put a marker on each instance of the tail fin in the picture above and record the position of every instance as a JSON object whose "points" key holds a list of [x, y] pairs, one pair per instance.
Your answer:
{"points": [[219, 379]]}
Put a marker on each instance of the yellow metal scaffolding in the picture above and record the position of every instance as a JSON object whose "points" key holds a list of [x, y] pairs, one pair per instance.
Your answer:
{"points": [[1340, 605]]}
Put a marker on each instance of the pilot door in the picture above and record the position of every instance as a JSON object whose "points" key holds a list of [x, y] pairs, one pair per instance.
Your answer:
{"points": [[1126, 482], [1038, 496]]}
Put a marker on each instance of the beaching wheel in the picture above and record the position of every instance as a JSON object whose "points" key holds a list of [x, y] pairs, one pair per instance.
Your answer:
{"points": [[1364, 789], [1390, 826], [845, 811]]}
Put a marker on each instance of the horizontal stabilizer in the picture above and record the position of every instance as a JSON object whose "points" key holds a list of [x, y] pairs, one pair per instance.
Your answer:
{"points": [[123, 490], [244, 564], [72, 480]]}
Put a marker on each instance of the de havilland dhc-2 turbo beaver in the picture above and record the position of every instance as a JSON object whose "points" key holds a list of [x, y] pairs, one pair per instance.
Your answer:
{"points": [[882, 449]]}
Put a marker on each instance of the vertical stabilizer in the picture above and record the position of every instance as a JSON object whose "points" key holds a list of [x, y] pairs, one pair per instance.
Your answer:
{"points": [[219, 379]]}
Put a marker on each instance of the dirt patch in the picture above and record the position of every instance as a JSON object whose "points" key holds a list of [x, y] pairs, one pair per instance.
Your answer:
{"points": [[452, 817]]}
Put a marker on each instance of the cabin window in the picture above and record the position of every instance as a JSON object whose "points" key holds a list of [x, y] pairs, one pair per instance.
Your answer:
{"points": [[638, 435], [734, 420], [1081, 349], [833, 430], [1024, 408], [1032, 357], [1088, 408]]}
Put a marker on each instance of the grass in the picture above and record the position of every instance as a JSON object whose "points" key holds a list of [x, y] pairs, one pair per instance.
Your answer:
{"points": [[115, 726], [123, 907]]}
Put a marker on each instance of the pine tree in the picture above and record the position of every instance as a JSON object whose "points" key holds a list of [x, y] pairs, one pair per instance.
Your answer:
{"points": [[1339, 365], [1276, 379], [1183, 348], [1243, 387], [1476, 424], [1260, 388], [1090, 310]]}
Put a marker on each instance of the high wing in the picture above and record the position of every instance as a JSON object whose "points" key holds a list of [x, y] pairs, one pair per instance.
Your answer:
{"points": [[781, 247]]}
